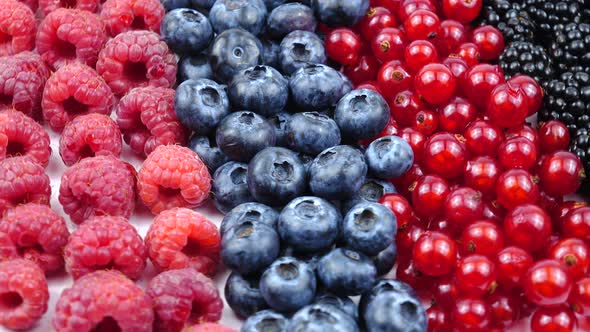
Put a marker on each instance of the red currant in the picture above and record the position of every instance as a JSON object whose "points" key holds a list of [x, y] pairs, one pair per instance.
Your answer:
{"points": [[404, 106], [489, 41], [532, 89], [370, 85], [389, 44], [438, 319], [463, 205], [463, 11], [444, 155], [393, 78], [547, 283], [479, 81], [377, 19], [400, 207], [483, 138], [450, 35], [553, 136], [429, 195], [493, 211], [528, 227], [421, 24], [442, 224], [554, 319], [475, 275], [416, 140], [365, 69], [507, 106], [404, 183], [458, 67], [482, 238], [435, 254], [517, 152], [391, 5], [407, 272], [471, 314], [525, 131], [580, 296], [343, 46], [574, 254], [407, 236], [561, 173], [482, 174], [456, 115], [468, 52], [407, 7], [512, 263], [516, 187], [504, 309], [577, 223], [418, 54], [426, 122], [445, 291], [435, 83]]}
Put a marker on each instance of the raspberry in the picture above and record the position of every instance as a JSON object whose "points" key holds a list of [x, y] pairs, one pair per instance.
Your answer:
{"points": [[22, 78], [96, 186], [17, 28], [183, 295], [173, 176], [23, 294], [147, 118], [105, 243], [48, 6], [180, 238], [7, 248], [22, 136], [136, 58], [22, 181], [125, 15], [103, 301], [73, 90], [33, 4], [209, 327], [38, 233], [89, 135], [68, 35]]}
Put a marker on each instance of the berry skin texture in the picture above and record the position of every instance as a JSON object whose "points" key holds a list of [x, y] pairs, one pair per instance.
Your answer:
{"points": [[475, 275], [444, 155], [47, 6], [89, 135], [68, 35], [428, 195], [574, 254], [173, 176], [516, 187], [517, 152], [73, 90], [24, 294], [125, 15], [136, 59], [147, 119], [561, 173], [393, 78], [552, 319], [577, 223], [376, 19], [456, 115], [421, 24], [462, 206], [463, 11], [450, 35], [553, 136], [528, 226], [103, 300], [389, 44], [435, 254], [435, 83], [101, 185], [17, 28], [182, 296], [482, 174], [507, 106], [343, 46], [471, 314], [479, 81], [418, 54], [38, 233], [20, 135], [580, 296], [512, 263], [180, 238], [482, 238], [489, 41], [483, 138], [105, 243], [22, 181], [547, 283]]}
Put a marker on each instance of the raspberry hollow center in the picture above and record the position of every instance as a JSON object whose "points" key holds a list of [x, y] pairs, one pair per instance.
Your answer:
{"points": [[65, 49], [74, 107], [107, 324], [14, 149], [68, 3], [192, 248], [138, 23], [10, 301], [5, 38], [168, 193], [5, 99], [135, 72]]}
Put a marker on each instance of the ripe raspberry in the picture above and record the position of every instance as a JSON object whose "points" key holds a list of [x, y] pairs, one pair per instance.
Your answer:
{"points": [[23, 294], [180, 238], [103, 301], [22, 181], [97, 186], [22, 78], [125, 15], [184, 295], [209, 327], [22, 136], [17, 28], [89, 135], [73, 90], [68, 35], [39, 234], [173, 176], [136, 58], [102, 243], [7, 248], [48, 6], [147, 118], [33, 4]]}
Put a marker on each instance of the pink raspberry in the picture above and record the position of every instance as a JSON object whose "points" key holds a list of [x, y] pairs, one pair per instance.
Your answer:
{"points": [[125, 15], [22, 181], [98, 186], [147, 118], [7, 248], [22, 78], [209, 327], [105, 243], [47, 6], [17, 28], [73, 90], [23, 294], [68, 35], [87, 136], [103, 301], [180, 238], [136, 58], [22, 136], [39, 234], [33, 4], [173, 176], [181, 296]]}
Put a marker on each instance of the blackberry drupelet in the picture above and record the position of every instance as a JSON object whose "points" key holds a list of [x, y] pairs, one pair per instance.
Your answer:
{"points": [[526, 58], [549, 13], [570, 47], [510, 18]]}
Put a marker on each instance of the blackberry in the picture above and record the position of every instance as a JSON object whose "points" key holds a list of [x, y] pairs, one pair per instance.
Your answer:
{"points": [[510, 18], [549, 13], [526, 58], [580, 145], [569, 47]]}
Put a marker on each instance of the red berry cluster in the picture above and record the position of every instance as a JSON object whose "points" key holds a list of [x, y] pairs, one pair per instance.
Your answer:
{"points": [[484, 232]]}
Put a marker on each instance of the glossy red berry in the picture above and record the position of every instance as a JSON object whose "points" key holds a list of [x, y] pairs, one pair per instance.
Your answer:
{"points": [[479, 81], [517, 152], [553, 136], [371, 85], [463, 11], [516, 187], [407, 7], [406, 237], [389, 44], [482, 174], [475, 275], [400, 207], [580, 296], [507, 106], [391, 5], [445, 291], [554, 319], [483, 138], [574, 254], [408, 272], [404, 106], [512, 263], [418, 54], [438, 319], [458, 67], [561, 173], [483, 238], [532, 89], [435, 254], [429, 195], [421, 24], [393, 78], [468, 52], [426, 122], [471, 314], [525, 131], [343, 46], [456, 115], [416, 140], [547, 283], [493, 211], [463, 205], [505, 310], [376, 19], [489, 41], [444, 155], [435, 83], [450, 35], [365, 69], [528, 226]]}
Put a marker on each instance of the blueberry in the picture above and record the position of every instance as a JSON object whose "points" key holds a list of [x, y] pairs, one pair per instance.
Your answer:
{"points": [[279, 122], [186, 30], [241, 135], [288, 284], [337, 173], [371, 191], [316, 87], [230, 187], [340, 13], [249, 247], [312, 133], [389, 157], [369, 228], [290, 17], [243, 296], [394, 312], [265, 321], [306, 160], [276, 176], [232, 51], [385, 260], [343, 303], [194, 4], [299, 48], [381, 286], [362, 114], [208, 151], [346, 272], [272, 4], [271, 51], [249, 15], [252, 212], [321, 318], [200, 105], [309, 224], [261, 89], [194, 67]]}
